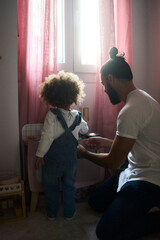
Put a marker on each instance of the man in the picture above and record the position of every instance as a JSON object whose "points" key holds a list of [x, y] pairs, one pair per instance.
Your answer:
{"points": [[126, 199]]}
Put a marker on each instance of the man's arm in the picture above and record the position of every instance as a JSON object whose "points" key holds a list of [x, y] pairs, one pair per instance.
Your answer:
{"points": [[115, 158]]}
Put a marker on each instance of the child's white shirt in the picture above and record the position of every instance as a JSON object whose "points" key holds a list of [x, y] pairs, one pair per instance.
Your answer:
{"points": [[52, 129]]}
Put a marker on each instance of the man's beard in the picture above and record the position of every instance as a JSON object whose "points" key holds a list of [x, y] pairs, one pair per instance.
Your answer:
{"points": [[113, 95]]}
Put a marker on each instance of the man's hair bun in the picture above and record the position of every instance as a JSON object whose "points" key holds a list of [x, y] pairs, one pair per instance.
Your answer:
{"points": [[113, 52]]}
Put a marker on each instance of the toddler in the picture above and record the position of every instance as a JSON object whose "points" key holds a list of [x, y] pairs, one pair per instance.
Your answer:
{"points": [[57, 149]]}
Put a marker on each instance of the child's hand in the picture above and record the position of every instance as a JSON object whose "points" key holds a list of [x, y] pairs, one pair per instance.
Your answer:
{"points": [[38, 162]]}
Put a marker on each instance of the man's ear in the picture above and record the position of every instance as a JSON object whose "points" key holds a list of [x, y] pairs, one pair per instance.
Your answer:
{"points": [[111, 79]]}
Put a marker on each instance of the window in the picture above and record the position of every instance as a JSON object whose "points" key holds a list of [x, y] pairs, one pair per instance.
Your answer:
{"points": [[60, 31], [78, 35]]}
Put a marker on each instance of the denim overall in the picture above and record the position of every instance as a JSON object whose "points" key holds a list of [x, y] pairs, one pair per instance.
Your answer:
{"points": [[60, 168]]}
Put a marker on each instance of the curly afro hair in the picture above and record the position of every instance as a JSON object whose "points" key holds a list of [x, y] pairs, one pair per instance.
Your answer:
{"points": [[62, 89]]}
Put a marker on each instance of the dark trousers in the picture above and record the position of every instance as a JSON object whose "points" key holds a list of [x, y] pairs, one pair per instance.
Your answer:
{"points": [[125, 213]]}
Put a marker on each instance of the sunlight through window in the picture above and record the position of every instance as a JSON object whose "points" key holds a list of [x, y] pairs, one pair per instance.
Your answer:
{"points": [[78, 24], [60, 32], [89, 31]]}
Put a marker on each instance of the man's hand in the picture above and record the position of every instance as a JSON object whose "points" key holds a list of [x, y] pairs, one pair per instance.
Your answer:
{"points": [[81, 151], [98, 142], [94, 143], [38, 162]]}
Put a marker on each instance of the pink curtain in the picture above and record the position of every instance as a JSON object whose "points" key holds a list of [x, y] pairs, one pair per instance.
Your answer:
{"points": [[123, 28], [115, 30], [37, 55]]}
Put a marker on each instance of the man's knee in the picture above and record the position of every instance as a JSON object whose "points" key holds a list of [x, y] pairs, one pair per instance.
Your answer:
{"points": [[106, 231], [95, 204]]}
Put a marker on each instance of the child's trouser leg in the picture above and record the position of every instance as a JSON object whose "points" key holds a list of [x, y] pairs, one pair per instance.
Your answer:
{"points": [[51, 199], [68, 196], [51, 189]]}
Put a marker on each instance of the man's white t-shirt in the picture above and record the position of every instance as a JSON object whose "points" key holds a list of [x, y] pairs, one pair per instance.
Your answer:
{"points": [[140, 119]]}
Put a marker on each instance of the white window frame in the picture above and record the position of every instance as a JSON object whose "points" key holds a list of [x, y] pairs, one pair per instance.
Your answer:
{"points": [[72, 40], [68, 44]]}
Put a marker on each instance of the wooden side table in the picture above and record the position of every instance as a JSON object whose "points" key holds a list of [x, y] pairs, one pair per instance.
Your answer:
{"points": [[12, 202]]}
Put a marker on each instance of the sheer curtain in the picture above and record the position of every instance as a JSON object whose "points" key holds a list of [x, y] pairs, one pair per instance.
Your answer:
{"points": [[37, 55], [115, 30]]}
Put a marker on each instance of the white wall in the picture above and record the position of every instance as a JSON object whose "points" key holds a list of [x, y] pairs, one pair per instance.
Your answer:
{"points": [[140, 43], [154, 48], [9, 137], [146, 47]]}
